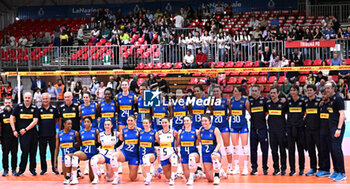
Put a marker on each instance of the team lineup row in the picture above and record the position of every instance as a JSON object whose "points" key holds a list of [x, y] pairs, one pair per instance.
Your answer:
{"points": [[311, 123]]}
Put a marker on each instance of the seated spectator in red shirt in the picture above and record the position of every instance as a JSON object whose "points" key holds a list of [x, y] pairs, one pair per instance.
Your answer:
{"points": [[201, 59]]}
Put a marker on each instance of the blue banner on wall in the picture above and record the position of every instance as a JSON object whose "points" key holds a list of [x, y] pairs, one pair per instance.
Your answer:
{"points": [[72, 11]]}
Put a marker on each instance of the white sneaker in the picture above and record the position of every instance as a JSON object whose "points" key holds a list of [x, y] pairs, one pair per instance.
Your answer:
{"points": [[245, 171], [120, 170], [216, 180], [74, 181], [95, 181], [230, 171], [66, 181], [86, 170], [147, 182], [116, 181], [80, 174], [222, 174], [139, 171], [189, 182], [236, 171], [200, 174], [171, 182]]}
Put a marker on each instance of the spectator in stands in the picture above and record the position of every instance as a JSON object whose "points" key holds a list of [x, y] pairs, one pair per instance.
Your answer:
{"points": [[152, 83], [205, 42], [253, 23], [100, 92], [297, 57], [300, 87], [188, 61], [37, 98], [335, 62], [179, 21], [158, 14], [149, 15], [256, 33], [221, 46], [292, 75], [299, 33], [162, 84], [336, 24], [95, 35], [311, 78], [64, 38], [124, 37], [347, 33], [80, 35], [206, 12], [106, 33], [317, 35], [12, 40], [340, 34], [274, 24], [52, 91], [38, 83], [93, 87], [189, 43], [197, 42], [212, 84], [263, 24], [320, 76], [201, 59], [344, 74], [320, 85], [119, 80], [22, 42], [329, 32], [275, 63], [324, 72], [286, 87], [292, 35], [40, 41], [219, 9], [5, 40], [341, 88], [284, 62], [133, 85], [266, 57], [112, 83], [281, 35], [6, 91], [77, 91]]}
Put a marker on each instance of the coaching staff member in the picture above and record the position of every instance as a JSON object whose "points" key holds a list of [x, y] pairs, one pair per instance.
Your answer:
{"points": [[48, 118], [26, 116], [258, 133], [8, 140], [337, 129], [69, 110]]}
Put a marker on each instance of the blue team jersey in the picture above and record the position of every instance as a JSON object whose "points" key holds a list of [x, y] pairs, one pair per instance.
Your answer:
{"points": [[198, 110], [126, 106], [89, 111], [238, 113], [142, 112], [131, 142], [220, 114], [88, 141], [159, 112], [107, 112], [208, 140], [147, 140], [188, 142], [67, 142], [180, 111]]}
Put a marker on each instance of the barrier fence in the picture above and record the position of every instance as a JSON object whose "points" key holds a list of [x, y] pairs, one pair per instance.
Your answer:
{"points": [[129, 56], [340, 11]]}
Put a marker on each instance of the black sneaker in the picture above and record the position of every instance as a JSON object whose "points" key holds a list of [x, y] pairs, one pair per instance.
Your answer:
{"points": [[42, 172], [33, 172], [5, 173], [265, 172], [62, 173], [254, 172], [292, 173], [283, 172], [20, 173], [55, 172], [301, 172], [14, 172], [276, 172]]}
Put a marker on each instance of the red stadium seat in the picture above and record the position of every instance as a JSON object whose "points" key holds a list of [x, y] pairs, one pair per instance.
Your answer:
{"points": [[263, 73], [271, 79], [202, 81], [281, 79], [304, 72], [248, 64], [163, 75], [254, 73], [244, 73], [234, 73], [167, 65], [307, 62], [189, 87], [252, 80], [158, 65], [335, 78], [347, 61], [228, 89], [143, 75], [232, 80], [302, 79], [256, 63], [241, 79], [262, 80], [261, 88], [220, 64], [193, 81], [239, 64], [148, 66], [178, 65], [229, 64], [140, 66], [267, 88], [317, 62], [328, 61]]}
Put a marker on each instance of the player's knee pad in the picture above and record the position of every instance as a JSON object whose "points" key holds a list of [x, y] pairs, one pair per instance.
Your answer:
{"points": [[192, 161], [235, 150], [114, 162], [173, 159], [94, 162], [67, 161], [228, 150], [216, 164], [245, 150], [146, 161], [75, 161]]}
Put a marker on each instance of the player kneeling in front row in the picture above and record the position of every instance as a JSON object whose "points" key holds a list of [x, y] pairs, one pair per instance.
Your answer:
{"points": [[209, 136], [167, 138], [108, 139], [189, 152]]}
